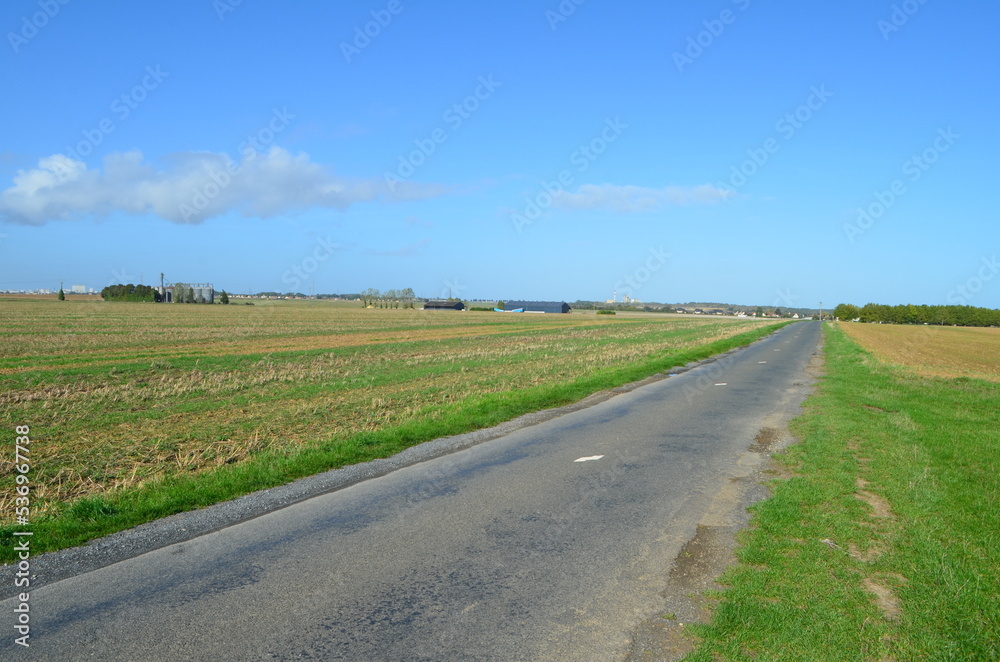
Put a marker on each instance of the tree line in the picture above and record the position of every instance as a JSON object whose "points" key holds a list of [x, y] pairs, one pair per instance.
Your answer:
{"points": [[388, 299], [910, 314]]}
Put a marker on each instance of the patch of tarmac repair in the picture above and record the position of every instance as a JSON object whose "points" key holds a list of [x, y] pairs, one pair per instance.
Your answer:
{"points": [[765, 439], [703, 559]]}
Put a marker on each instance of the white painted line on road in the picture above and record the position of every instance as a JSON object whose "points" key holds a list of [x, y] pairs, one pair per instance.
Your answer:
{"points": [[588, 459], [722, 384], [761, 361]]}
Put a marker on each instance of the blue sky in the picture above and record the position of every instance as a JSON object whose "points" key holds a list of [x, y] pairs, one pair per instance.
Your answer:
{"points": [[774, 153]]}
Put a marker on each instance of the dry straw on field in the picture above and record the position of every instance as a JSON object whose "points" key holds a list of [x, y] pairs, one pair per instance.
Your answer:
{"points": [[933, 351], [120, 394]]}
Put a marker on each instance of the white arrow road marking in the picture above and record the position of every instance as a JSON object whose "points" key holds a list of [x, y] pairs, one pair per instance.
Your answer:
{"points": [[588, 459]]}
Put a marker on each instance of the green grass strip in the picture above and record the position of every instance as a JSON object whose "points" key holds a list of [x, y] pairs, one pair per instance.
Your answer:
{"points": [[894, 493], [93, 517]]}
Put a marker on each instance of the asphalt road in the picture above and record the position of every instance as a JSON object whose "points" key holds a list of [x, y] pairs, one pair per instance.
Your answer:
{"points": [[552, 542]]}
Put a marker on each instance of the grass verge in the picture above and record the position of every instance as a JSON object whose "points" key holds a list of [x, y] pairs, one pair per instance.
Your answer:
{"points": [[885, 543], [95, 516]]}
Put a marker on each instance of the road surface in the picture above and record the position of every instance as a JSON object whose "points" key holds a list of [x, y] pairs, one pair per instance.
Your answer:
{"points": [[553, 542]]}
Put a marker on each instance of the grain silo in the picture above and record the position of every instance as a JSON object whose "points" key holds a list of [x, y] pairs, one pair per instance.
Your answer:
{"points": [[203, 292]]}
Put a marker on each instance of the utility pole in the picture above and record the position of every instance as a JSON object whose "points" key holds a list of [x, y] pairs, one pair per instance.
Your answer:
{"points": [[820, 311]]}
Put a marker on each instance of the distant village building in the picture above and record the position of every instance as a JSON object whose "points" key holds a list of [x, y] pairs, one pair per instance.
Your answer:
{"points": [[538, 306]]}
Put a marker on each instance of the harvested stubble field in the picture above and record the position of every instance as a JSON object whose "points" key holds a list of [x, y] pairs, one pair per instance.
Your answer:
{"points": [[933, 351], [187, 405]]}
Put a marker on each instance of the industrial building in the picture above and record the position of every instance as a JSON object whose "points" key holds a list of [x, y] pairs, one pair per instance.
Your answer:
{"points": [[177, 293], [538, 306], [438, 304]]}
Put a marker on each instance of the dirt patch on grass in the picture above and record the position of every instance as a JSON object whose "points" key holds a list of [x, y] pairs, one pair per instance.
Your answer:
{"points": [[880, 507], [885, 598], [870, 555]]}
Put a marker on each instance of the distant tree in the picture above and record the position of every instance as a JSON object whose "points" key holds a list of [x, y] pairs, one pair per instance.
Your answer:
{"points": [[777, 312], [62, 295], [224, 298], [407, 296], [760, 312], [368, 297], [846, 312], [180, 292], [130, 293], [189, 295]]}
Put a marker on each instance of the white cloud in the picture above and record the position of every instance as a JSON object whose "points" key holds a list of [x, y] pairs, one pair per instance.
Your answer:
{"points": [[628, 198], [193, 186]]}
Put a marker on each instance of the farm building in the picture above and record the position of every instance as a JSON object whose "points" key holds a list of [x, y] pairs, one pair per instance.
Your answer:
{"points": [[444, 305], [178, 293], [538, 306]]}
